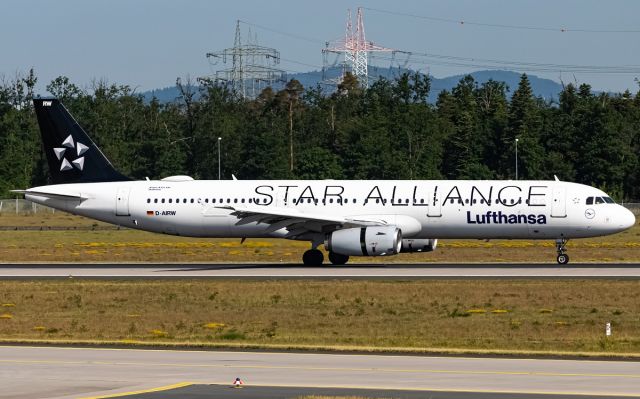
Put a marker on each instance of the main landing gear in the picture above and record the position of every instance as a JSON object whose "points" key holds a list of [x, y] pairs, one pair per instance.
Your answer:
{"points": [[562, 258], [338, 259], [314, 257]]}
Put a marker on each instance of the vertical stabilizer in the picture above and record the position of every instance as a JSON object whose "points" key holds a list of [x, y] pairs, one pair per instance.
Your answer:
{"points": [[72, 156]]}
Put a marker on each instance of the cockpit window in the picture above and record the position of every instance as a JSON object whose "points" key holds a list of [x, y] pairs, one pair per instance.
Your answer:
{"points": [[608, 200], [589, 200], [599, 200]]}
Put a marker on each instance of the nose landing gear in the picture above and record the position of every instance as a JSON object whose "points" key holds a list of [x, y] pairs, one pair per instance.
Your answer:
{"points": [[562, 258]]}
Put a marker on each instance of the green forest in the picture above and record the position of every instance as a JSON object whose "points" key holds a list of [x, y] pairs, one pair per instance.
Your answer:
{"points": [[385, 131]]}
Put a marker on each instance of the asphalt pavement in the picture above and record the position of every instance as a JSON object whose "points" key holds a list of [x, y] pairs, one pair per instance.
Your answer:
{"points": [[355, 271], [54, 372]]}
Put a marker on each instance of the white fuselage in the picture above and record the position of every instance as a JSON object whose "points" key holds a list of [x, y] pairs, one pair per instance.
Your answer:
{"points": [[421, 208]]}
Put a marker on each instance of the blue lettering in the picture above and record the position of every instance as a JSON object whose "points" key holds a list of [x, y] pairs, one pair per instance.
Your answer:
{"points": [[505, 218]]}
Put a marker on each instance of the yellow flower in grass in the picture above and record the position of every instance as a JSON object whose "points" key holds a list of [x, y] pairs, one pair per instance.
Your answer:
{"points": [[499, 311], [258, 244], [546, 310], [6, 316], [213, 326], [158, 333], [476, 311], [38, 328], [561, 323], [8, 305]]}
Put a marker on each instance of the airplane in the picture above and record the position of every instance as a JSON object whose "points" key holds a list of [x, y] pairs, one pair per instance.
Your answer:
{"points": [[348, 217]]}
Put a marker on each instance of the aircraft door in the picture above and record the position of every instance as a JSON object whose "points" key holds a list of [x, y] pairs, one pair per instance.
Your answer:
{"points": [[122, 201], [559, 205]]}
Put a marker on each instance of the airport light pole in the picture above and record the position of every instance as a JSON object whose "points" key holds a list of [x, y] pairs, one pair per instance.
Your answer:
{"points": [[219, 139], [516, 158]]}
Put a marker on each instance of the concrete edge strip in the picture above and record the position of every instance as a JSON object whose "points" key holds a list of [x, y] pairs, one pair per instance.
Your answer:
{"points": [[138, 392], [311, 349]]}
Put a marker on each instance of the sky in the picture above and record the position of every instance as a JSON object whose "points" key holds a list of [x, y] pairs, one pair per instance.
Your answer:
{"points": [[148, 44]]}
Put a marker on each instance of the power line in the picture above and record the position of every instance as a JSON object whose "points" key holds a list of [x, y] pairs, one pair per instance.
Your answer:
{"points": [[292, 35], [423, 58], [450, 60], [318, 67], [501, 26]]}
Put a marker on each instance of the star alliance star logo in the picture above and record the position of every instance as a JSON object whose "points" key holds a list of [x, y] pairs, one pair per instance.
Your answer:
{"points": [[80, 148]]}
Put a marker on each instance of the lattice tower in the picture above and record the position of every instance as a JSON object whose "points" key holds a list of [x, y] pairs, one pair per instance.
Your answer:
{"points": [[253, 67]]}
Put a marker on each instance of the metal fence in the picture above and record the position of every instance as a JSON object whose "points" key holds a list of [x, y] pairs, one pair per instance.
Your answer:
{"points": [[24, 207]]}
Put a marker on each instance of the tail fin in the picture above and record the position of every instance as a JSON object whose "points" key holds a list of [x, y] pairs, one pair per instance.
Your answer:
{"points": [[72, 156]]}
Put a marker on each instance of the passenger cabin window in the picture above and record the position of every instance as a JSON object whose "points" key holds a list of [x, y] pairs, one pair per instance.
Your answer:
{"points": [[589, 200]]}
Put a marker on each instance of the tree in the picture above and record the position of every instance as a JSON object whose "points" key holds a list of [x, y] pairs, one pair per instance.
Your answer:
{"points": [[524, 123]]}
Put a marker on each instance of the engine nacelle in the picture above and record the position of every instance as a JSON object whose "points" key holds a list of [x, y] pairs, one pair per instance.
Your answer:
{"points": [[365, 241], [419, 245]]}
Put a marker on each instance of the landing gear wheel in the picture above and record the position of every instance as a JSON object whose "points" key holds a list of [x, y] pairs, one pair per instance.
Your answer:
{"points": [[313, 257], [563, 259], [338, 259]]}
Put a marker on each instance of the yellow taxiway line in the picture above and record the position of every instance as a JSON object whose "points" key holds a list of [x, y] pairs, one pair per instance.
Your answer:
{"points": [[141, 391]]}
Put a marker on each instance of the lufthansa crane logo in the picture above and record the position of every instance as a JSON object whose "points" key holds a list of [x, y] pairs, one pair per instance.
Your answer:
{"points": [[69, 144], [589, 213]]}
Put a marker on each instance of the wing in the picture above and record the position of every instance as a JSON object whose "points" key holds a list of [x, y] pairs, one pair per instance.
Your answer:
{"points": [[296, 222]]}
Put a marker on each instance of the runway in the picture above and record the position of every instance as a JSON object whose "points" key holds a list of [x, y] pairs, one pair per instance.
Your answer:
{"points": [[50, 372], [357, 271]]}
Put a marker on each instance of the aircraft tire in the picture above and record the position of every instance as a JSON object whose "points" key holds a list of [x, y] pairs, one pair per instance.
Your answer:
{"points": [[313, 257], [563, 259], [338, 259]]}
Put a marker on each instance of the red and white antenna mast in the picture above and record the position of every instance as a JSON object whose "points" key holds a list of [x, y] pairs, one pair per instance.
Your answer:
{"points": [[355, 48]]}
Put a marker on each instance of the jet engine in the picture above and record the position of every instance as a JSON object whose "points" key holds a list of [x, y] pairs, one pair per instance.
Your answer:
{"points": [[365, 241], [419, 245]]}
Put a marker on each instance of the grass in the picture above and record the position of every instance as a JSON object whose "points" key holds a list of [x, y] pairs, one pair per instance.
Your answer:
{"points": [[360, 315], [112, 245]]}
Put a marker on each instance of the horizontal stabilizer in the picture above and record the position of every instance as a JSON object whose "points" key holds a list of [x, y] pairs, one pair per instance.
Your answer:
{"points": [[50, 194]]}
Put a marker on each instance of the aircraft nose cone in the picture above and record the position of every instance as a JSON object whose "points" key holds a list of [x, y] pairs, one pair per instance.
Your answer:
{"points": [[627, 218]]}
